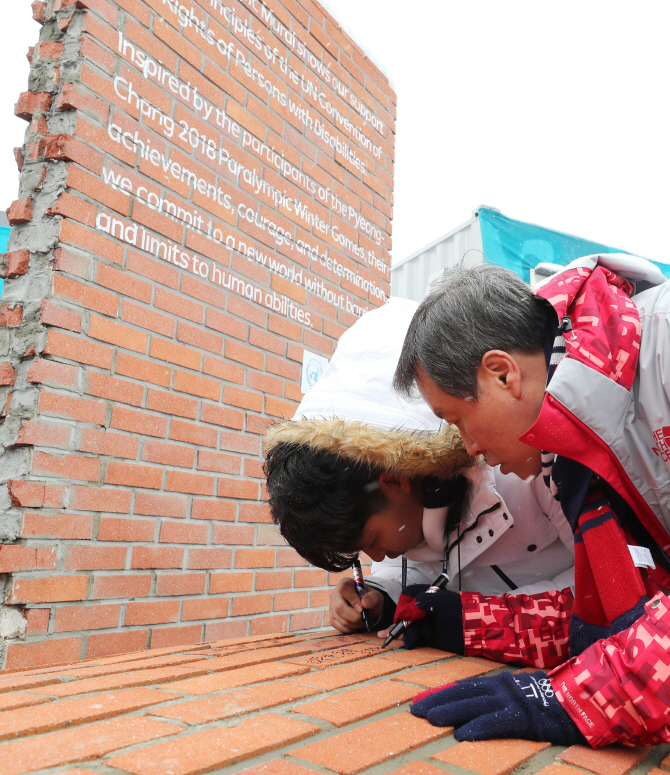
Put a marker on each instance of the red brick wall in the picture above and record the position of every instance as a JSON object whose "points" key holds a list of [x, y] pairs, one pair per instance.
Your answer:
{"points": [[206, 191]]}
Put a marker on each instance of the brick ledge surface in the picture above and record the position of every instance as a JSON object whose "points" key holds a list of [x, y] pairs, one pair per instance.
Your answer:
{"points": [[295, 704]]}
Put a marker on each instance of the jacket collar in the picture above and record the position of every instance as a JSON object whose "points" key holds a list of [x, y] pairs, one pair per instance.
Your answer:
{"points": [[483, 510], [601, 324]]}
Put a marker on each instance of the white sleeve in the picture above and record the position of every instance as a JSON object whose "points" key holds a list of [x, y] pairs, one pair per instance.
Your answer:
{"points": [[387, 575], [554, 513], [563, 580]]}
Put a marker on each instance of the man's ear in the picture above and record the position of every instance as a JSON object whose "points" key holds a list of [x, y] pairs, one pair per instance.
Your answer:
{"points": [[390, 480], [501, 370]]}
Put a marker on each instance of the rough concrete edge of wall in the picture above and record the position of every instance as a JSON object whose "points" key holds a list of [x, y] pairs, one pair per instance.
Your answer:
{"points": [[28, 266]]}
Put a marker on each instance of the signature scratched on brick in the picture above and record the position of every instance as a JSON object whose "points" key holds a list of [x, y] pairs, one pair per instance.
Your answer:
{"points": [[337, 656]]}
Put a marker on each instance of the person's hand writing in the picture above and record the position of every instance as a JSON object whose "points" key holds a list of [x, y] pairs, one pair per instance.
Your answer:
{"points": [[435, 618], [345, 606], [383, 634]]}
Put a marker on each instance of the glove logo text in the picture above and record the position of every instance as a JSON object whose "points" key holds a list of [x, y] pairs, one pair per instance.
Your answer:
{"points": [[576, 705], [539, 690]]}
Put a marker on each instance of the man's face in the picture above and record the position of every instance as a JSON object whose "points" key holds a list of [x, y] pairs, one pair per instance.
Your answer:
{"points": [[507, 406], [398, 527]]}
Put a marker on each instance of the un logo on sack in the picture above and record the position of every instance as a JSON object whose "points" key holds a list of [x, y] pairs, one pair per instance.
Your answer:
{"points": [[314, 372]]}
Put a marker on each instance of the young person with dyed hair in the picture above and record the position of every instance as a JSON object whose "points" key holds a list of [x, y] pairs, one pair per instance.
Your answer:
{"points": [[570, 384], [360, 469]]}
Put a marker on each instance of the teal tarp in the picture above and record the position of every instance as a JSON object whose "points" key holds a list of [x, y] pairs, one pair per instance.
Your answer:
{"points": [[521, 246], [4, 238]]}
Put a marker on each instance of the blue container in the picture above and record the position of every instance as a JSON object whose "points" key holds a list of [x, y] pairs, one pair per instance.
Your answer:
{"points": [[4, 239], [530, 251], [522, 246]]}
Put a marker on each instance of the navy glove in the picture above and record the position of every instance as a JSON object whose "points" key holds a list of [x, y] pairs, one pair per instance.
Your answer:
{"points": [[436, 618], [505, 705]]}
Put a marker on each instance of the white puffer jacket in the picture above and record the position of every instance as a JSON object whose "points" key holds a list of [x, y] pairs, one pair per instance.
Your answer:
{"points": [[521, 530], [354, 411]]}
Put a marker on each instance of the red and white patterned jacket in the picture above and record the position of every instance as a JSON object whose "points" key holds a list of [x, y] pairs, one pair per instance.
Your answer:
{"points": [[618, 690], [607, 407], [527, 629]]}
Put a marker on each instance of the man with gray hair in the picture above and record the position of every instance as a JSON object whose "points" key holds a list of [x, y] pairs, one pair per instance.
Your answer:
{"points": [[571, 381]]}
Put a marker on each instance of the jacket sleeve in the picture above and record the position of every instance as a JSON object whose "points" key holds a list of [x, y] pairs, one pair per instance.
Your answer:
{"points": [[527, 629], [386, 575], [531, 630], [618, 690], [563, 580]]}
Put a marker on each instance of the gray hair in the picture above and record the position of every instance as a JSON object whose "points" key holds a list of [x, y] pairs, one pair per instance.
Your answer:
{"points": [[467, 313]]}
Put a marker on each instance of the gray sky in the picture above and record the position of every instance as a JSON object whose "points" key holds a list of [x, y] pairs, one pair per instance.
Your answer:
{"points": [[555, 113]]}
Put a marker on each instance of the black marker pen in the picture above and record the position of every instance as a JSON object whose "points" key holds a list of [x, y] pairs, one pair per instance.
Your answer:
{"points": [[360, 588], [441, 581]]}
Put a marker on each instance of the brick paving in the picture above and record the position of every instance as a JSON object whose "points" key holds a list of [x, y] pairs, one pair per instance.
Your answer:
{"points": [[294, 704]]}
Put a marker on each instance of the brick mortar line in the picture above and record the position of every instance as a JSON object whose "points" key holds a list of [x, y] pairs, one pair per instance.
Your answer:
{"points": [[150, 306], [170, 143], [120, 58], [341, 256], [267, 68]]}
